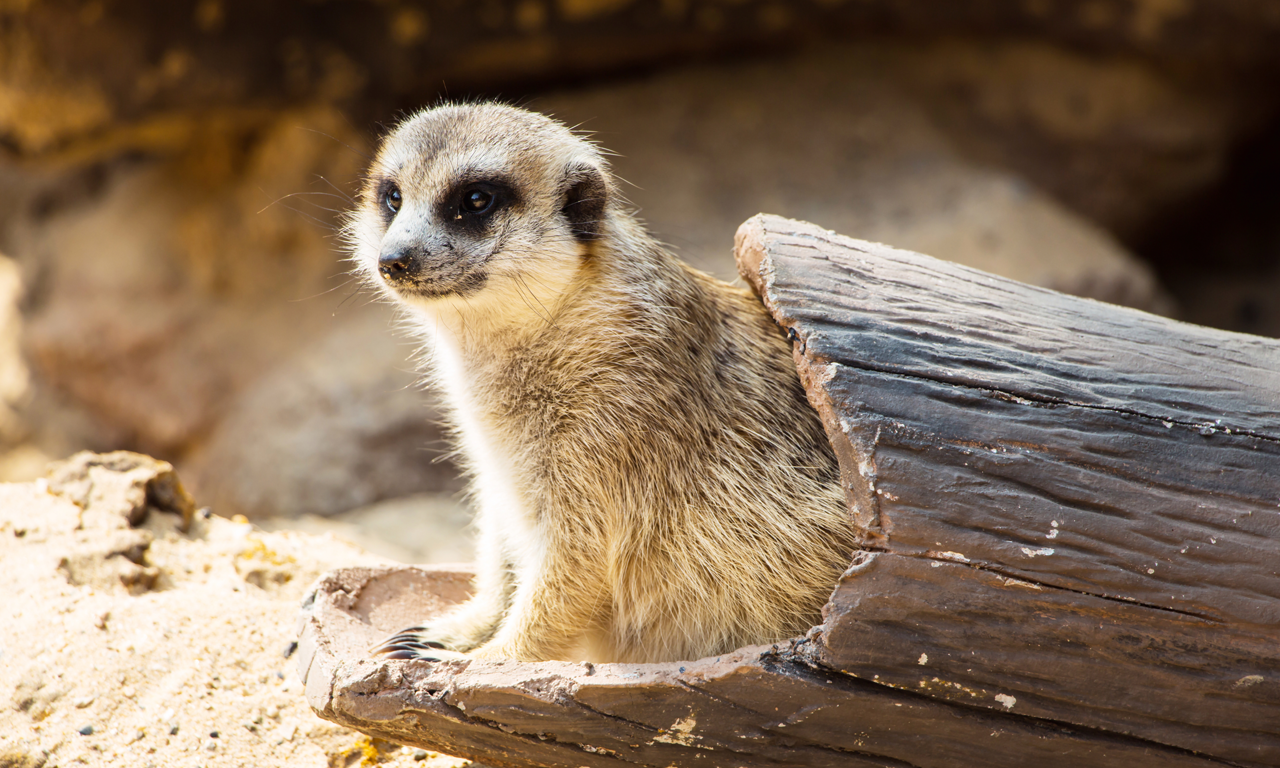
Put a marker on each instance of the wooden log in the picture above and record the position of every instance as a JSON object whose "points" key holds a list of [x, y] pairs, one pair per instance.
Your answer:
{"points": [[761, 706], [1071, 521], [1073, 507]]}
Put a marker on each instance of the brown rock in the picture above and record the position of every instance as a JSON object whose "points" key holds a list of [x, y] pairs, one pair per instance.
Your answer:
{"points": [[845, 138], [1116, 138], [78, 74], [180, 298], [117, 490], [341, 423], [203, 255]]}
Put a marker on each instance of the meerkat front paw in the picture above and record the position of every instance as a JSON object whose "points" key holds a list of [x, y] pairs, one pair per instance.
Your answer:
{"points": [[449, 636], [415, 643]]}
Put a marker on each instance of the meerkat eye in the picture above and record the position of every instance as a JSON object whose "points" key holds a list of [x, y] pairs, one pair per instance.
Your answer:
{"points": [[476, 201], [391, 198]]}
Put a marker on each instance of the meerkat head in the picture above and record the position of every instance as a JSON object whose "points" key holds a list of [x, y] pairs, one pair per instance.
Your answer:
{"points": [[479, 208]]}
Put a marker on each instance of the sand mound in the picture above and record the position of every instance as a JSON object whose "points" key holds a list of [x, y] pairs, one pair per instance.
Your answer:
{"points": [[142, 644]]}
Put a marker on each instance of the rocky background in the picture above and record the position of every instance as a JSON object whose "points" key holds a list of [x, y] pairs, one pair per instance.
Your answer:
{"points": [[173, 174]]}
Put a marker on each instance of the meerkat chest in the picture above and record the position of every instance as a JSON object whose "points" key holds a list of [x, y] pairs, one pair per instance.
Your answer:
{"points": [[490, 448]]}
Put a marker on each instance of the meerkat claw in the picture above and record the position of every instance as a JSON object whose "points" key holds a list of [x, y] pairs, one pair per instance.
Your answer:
{"points": [[400, 654], [418, 652], [408, 644]]}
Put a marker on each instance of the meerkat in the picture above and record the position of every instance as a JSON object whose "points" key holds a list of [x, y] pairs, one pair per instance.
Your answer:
{"points": [[651, 483]]}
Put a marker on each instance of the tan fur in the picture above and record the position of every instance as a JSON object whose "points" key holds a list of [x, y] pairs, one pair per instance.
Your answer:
{"points": [[651, 482]]}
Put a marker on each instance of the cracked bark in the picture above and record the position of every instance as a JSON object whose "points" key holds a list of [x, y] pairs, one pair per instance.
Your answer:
{"points": [[761, 706], [1122, 469]]}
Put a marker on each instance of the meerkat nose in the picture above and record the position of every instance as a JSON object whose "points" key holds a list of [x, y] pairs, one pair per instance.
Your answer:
{"points": [[397, 265]]}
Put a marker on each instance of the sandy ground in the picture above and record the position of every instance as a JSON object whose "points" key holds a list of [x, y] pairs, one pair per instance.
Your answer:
{"points": [[146, 646]]}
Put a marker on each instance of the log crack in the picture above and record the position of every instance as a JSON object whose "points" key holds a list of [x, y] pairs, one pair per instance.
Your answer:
{"points": [[1206, 429], [950, 558], [810, 661]]}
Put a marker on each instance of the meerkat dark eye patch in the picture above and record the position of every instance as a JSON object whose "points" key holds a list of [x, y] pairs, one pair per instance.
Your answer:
{"points": [[470, 204]]}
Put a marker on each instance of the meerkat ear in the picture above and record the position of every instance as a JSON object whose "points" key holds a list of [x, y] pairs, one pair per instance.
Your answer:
{"points": [[585, 196]]}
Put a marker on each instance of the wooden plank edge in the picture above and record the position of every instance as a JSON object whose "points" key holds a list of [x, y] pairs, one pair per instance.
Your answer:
{"points": [[980, 638], [764, 235], [496, 711]]}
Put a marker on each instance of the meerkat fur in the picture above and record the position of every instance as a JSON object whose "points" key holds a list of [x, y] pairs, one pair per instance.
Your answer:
{"points": [[650, 481]]}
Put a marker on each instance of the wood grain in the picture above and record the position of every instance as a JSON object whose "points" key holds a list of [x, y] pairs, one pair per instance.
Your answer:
{"points": [[1070, 505], [762, 706], [976, 637]]}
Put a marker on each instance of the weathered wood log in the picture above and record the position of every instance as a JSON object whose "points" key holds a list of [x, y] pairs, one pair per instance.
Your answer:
{"points": [[757, 707], [1071, 521], [1072, 510]]}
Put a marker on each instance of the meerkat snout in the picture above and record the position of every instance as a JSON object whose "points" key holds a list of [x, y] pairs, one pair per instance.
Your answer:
{"points": [[650, 481], [399, 265], [460, 217]]}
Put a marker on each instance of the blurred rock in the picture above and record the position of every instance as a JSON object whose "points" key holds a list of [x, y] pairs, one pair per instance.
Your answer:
{"points": [[163, 295], [844, 138], [1114, 137], [185, 294], [76, 73], [13, 369], [340, 423], [196, 307], [423, 528]]}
